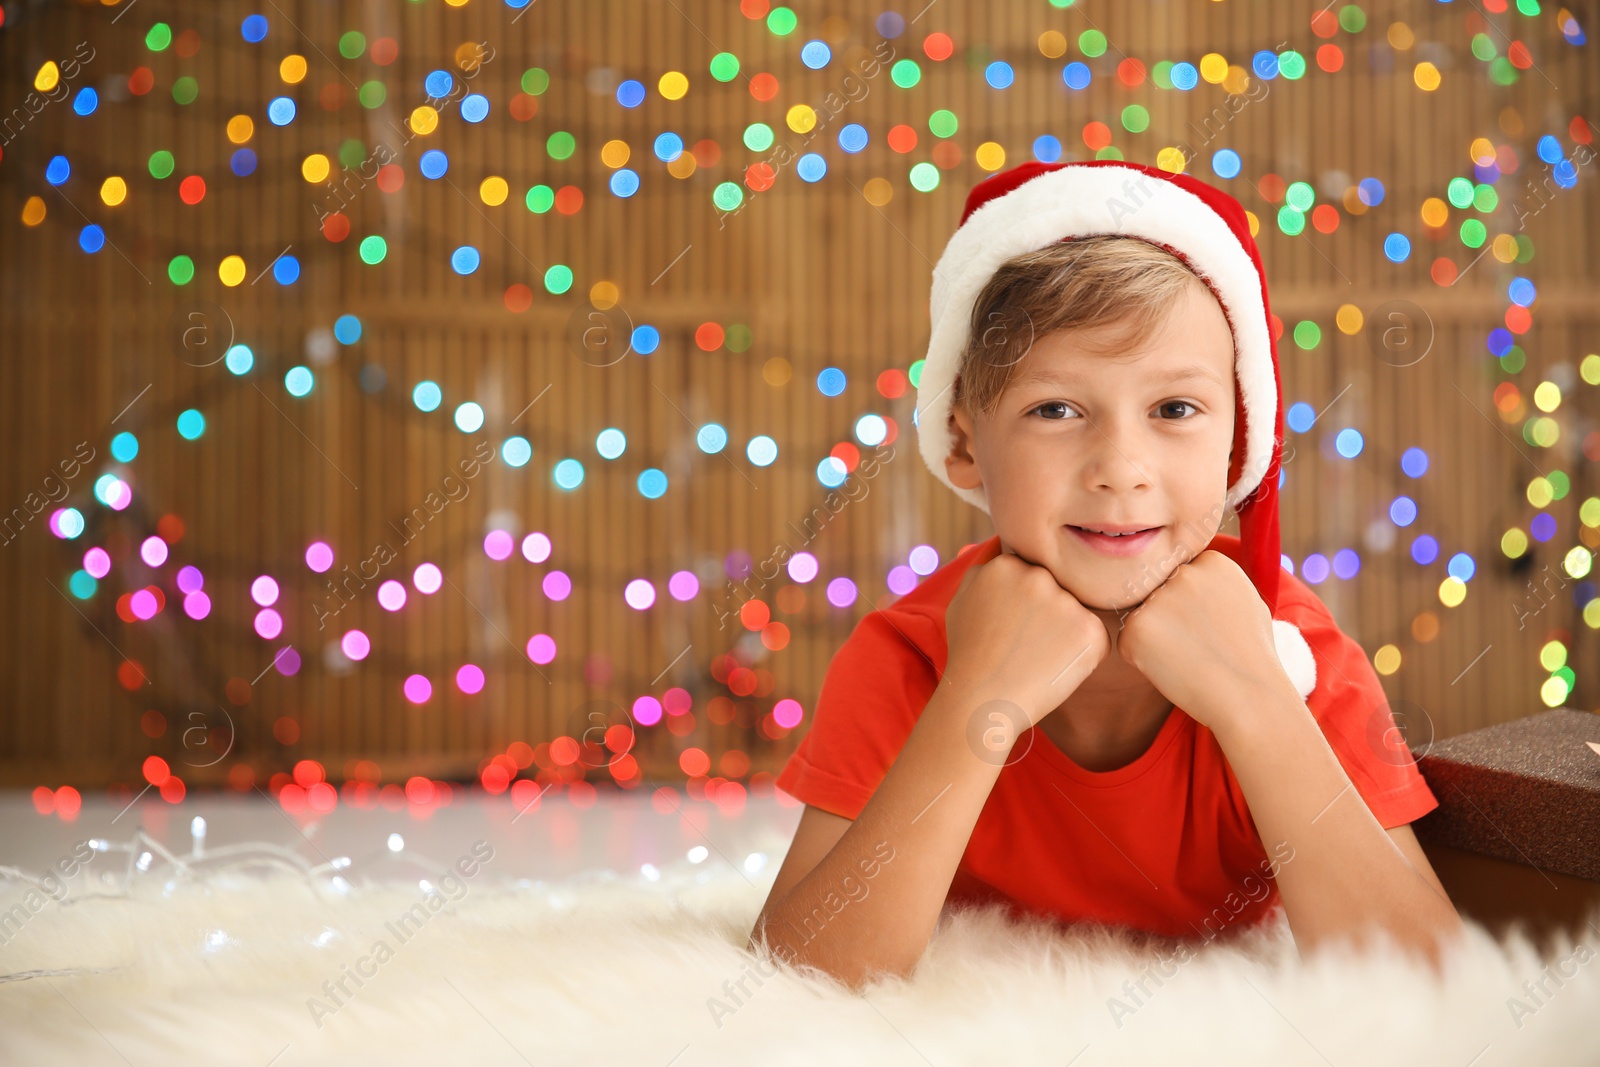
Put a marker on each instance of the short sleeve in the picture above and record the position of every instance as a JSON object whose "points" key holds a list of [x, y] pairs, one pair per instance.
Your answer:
{"points": [[1353, 711], [872, 695]]}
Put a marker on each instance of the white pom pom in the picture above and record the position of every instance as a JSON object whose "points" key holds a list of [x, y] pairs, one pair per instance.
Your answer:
{"points": [[1295, 655]]}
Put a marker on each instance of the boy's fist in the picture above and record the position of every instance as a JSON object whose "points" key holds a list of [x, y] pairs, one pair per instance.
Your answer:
{"points": [[1203, 638], [1016, 635]]}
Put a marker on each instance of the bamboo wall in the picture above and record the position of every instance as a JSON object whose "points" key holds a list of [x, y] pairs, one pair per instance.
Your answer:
{"points": [[821, 276]]}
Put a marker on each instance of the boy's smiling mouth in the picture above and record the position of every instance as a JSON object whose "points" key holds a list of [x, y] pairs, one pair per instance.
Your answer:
{"points": [[1116, 539]]}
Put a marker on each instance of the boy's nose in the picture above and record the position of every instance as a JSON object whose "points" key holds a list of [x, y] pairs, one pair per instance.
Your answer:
{"points": [[1114, 460]]}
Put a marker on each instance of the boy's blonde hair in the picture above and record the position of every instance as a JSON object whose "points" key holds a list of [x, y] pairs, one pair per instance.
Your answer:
{"points": [[1105, 279]]}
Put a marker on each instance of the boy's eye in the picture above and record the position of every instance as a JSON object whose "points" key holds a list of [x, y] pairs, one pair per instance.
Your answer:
{"points": [[1057, 410]]}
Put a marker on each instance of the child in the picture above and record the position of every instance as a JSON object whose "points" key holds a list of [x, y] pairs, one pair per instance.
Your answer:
{"points": [[1109, 711]]}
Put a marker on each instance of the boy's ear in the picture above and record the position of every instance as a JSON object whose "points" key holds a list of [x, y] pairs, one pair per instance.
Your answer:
{"points": [[962, 462]]}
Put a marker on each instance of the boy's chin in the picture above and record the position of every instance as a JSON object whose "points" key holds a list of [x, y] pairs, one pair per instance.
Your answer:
{"points": [[1096, 596], [1113, 592], [1114, 604]]}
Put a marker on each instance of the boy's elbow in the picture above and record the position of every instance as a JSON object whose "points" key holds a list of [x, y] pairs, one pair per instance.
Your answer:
{"points": [[857, 975], [757, 941], [767, 941], [852, 969]]}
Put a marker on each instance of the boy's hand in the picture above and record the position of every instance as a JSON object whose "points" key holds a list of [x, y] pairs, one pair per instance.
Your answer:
{"points": [[1016, 635], [1203, 638]]}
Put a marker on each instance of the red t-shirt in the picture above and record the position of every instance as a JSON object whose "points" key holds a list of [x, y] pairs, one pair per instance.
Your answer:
{"points": [[1164, 844]]}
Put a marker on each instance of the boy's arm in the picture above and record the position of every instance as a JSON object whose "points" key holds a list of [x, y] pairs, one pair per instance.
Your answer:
{"points": [[1344, 872], [1019, 645], [1206, 639], [1405, 839], [870, 904]]}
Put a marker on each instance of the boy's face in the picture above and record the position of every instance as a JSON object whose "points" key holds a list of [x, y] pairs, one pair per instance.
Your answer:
{"points": [[1096, 438]]}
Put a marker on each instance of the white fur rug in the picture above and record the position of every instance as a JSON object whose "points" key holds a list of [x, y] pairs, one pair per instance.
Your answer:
{"points": [[604, 969]]}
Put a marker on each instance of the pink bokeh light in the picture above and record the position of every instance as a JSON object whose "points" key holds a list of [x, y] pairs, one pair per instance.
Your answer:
{"points": [[683, 585], [787, 713], [541, 648], [153, 551], [355, 644], [427, 578], [392, 595], [319, 557], [144, 604], [469, 678], [536, 548], [556, 585], [269, 623], [264, 591], [647, 711], [498, 545]]}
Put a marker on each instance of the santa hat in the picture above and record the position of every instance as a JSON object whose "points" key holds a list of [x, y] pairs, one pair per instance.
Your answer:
{"points": [[1034, 205]]}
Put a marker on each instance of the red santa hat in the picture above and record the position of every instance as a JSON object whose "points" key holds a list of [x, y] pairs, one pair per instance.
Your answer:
{"points": [[1037, 204]]}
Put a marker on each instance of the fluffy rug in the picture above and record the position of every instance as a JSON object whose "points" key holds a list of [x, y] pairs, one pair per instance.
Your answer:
{"points": [[246, 969]]}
